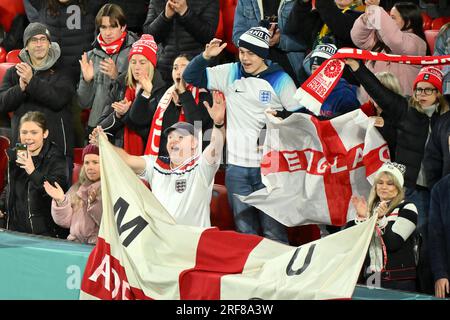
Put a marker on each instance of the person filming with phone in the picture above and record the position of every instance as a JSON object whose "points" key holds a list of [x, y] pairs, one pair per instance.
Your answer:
{"points": [[24, 203]]}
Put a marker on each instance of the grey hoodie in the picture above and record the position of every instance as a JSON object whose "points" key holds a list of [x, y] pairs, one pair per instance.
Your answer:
{"points": [[53, 55]]}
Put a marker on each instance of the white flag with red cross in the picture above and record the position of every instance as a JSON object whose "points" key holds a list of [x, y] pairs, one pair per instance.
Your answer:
{"points": [[142, 253], [311, 168]]}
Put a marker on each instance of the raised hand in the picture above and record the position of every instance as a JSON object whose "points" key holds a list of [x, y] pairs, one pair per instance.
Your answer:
{"points": [[179, 6], [275, 35], [213, 48], [121, 107], [87, 68], [108, 67], [352, 63], [382, 209], [24, 71], [92, 196], [169, 12], [93, 137], [217, 111], [57, 193], [25, 161], [360, 205], [146, 84]]}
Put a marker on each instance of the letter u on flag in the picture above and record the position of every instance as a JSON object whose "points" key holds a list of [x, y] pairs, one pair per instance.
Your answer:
{"points": [[311, 168], [142, 253]]}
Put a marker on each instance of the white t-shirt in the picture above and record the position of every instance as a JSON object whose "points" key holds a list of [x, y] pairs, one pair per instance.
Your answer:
{"points": [[185, 192], [247, 99]]}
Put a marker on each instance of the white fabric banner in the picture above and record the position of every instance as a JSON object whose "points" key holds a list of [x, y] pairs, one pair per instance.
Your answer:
{"points": [[311, 168], [142, 254]]}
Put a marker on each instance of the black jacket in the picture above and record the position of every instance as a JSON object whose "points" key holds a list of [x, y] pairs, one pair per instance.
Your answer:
{"points": [[50, 92], [306, 24], [437, 152], [412, 126], [114, 125], [24, 199], [187, 34], [73, 41]]}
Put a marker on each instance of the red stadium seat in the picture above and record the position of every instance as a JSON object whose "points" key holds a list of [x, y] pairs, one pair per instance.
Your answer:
{"points": [[221, 214], [3, 68], [430, 36], [220, 177], [439, 22], [77, 154], [2, 55], [219, 31], [228, 7], [4, 145], [76, 172], [13, 56], [427, 20]]}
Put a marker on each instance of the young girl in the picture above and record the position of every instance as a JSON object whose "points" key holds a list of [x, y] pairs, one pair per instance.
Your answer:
{"points": [[27, 204], [80, 209]]}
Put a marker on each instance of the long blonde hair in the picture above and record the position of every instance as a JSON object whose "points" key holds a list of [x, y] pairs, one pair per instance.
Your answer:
{"points": [[390, 81], [374, 199]]}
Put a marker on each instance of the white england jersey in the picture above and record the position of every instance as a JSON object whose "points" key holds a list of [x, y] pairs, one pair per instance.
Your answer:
{"points": [[186, 191], [247, 99]]}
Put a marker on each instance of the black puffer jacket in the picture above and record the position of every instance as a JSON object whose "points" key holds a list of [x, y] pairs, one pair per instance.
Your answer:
{"points": [[73, 28], [27, 205], [412, 126], [135, 12], [437, 153], [187, 34], [50, 92]]}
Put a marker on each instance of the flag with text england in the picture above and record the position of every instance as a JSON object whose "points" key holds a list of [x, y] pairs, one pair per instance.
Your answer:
{"points": [[311, 168], [142, 253]]}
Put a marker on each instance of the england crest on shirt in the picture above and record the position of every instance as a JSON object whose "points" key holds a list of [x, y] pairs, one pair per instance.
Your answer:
{"points": [[180, 185], [265, 96]]}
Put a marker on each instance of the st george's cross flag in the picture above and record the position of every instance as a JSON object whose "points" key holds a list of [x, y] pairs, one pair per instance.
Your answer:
{"points": [[311, 168], [142, 253]]}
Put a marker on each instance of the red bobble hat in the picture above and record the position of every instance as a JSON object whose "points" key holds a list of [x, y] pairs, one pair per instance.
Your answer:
{"points": [[146, 46], [90, 149], [432, 75]]}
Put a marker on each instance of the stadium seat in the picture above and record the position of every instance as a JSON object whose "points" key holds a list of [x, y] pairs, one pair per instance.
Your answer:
{"points": [[76, 172], [77, 154], [220, 177], [221, 214], [3, 68], [430, 36], [4, 145], [427, 20], [219, 31], [2, 55], [13, 56], [439, 22], [303, 234], [228, 8]]}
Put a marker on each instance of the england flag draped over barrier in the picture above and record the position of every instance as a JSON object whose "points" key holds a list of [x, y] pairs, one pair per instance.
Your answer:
{"points": [[311, 168], [142, 254]]}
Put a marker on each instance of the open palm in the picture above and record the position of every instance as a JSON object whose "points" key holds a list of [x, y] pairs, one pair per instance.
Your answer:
{"points": [[56, 193]]}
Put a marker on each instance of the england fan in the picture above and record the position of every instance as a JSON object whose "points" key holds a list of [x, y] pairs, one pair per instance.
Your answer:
{"points": [[182, 182]]}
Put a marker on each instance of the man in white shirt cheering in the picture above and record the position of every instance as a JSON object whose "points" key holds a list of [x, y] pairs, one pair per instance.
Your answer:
{"points": [[183, 182]]}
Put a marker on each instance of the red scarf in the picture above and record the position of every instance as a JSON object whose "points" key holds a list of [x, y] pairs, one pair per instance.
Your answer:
{"points": [[319, 85], [132, 142], [113, 47], [154, 138]]}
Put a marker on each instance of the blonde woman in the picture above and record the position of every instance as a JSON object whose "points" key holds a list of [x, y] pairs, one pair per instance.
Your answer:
{"points": [[391, 250], [80, 209]]}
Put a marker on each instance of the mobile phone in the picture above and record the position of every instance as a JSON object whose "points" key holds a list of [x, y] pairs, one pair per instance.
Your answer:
{"points": [[21, 148]]}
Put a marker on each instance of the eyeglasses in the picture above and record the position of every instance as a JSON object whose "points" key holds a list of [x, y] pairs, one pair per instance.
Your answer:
{"points": [[36, 40], [426, 91]]}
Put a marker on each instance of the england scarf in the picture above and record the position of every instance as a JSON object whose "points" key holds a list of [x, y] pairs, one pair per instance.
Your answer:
{"points": [[142, 254], [315, 90], [311, 168]]}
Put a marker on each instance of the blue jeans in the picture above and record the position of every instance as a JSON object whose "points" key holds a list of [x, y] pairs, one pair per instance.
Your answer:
{"points": [[244, 181]]}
